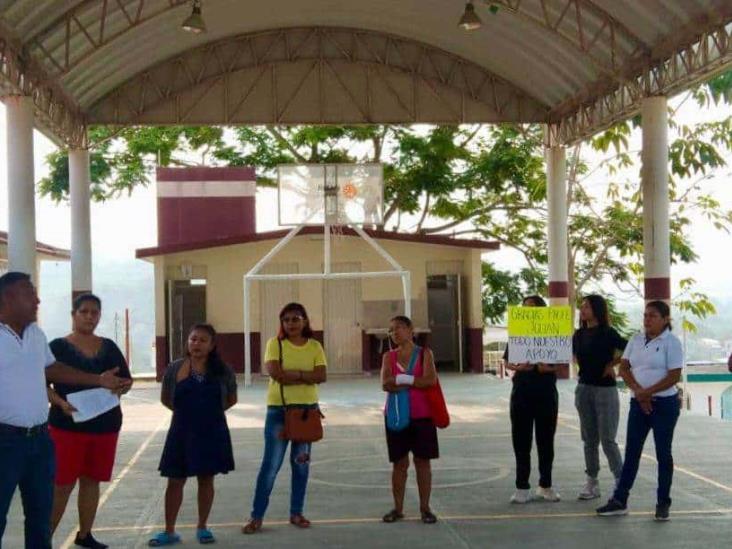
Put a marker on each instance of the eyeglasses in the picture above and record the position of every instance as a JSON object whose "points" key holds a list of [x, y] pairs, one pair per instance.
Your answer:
{"points": [[292, 319]]}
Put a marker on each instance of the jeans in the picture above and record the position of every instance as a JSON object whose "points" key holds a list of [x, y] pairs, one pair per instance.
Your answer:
{"points": [[27, 462], [599, 413], [533, 408], [662, 420], [274, 455]]}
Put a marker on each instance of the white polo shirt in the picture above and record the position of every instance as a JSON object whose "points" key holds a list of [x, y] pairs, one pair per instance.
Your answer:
{"points": [[23, 397], [651, 362]]}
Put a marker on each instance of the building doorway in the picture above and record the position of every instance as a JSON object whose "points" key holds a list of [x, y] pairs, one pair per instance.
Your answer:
{"points": [[186, 307], [444, 313]]}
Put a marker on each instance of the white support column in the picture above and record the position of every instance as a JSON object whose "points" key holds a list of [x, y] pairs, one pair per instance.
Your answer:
{"points": [[556, 174], [80, 195], [655, 191], [21, 190]]}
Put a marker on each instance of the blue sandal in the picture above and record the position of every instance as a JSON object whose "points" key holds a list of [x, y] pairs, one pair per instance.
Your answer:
{"points": [[163, 538], [205, 536]]}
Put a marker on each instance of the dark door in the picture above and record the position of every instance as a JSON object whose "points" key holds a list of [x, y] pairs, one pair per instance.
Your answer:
{"points": [[187, 306], [443, 311]]}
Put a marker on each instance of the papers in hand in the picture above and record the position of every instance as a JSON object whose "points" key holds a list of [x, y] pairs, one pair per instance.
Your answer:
{"points": [[92, 403]]}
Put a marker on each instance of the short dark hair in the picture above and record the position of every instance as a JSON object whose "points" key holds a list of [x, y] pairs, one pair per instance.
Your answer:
{"points": [[402, 319], [662, 309], [536, 299], [11, 278], [599, 310], [307, 331], [83, 298]]}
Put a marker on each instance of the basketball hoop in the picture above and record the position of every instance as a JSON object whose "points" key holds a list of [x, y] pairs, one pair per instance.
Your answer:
{"points": [[330, 194], [343, 199]]}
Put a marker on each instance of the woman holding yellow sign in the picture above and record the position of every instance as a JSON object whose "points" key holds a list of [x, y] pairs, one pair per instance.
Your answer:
{"points": [[534, 405]]}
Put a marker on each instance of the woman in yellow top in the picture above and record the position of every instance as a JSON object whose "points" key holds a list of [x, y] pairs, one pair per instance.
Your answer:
{"points": [[300, 368]]}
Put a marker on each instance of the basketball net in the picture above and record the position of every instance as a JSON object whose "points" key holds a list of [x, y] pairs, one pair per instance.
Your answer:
{"points": [[338, 231]]}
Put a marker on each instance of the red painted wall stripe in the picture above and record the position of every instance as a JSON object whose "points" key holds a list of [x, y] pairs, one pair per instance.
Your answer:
{"points": [[187, 220], [558, 289], [657, 288]]}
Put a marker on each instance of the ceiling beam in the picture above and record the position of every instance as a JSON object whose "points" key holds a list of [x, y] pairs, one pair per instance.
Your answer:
{"points": [[57, 115], [705, 53], [79, 18], [409, 81]]}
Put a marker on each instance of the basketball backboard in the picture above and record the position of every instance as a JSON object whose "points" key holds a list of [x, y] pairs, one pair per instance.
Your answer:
{"points": [[336, 194]]}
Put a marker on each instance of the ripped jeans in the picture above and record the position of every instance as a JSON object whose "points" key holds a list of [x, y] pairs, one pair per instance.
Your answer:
{"points": [[274, 455]]}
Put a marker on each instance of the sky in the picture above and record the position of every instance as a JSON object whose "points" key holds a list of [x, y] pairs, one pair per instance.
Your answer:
{"points": [[122, 225]]}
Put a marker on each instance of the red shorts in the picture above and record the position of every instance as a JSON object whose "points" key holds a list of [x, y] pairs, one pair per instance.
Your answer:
{"points": [[88, 455]]}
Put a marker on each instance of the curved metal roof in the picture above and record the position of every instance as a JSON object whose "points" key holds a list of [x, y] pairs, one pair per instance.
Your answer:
{"points": [[578, 64]]}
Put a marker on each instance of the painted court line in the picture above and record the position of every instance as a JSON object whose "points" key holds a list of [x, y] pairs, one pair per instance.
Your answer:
{"points": [[692, 513], [115, 482], [678, 468]]}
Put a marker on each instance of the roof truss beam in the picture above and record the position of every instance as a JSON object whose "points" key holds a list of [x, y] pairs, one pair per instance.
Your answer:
{"points": [[591, 31], [56, 114], [100, 22], [708, 54], [315, 75]]}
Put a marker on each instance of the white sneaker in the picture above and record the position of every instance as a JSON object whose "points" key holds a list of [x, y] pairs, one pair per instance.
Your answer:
{"points": [[591, 489], [547, 494], [521, 496]]}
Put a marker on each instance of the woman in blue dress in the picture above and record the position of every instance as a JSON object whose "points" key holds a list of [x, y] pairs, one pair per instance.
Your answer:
{"points": [[198, 389]]}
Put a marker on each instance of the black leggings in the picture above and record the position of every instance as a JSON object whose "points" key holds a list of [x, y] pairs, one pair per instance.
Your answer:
{"points": [[534, 408]]}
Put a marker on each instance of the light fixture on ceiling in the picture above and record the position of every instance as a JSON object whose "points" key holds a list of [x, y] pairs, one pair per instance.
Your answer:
{"points": [[194, 22], [470, 20]]}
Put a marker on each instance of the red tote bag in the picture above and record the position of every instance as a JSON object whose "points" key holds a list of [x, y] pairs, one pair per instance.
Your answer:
{"points": [[438, 406]]}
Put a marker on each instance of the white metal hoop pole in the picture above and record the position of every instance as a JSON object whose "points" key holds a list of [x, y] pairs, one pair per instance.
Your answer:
{"points": [[281, 244], [381, 251], [247, 336], [326, 248], [323, 276]]}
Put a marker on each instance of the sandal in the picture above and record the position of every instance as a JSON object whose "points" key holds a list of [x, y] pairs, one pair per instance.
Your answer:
{"points": [[252, 527], [299, 521], [392, 516], [205, 536], [163, 538], [428, 517]]}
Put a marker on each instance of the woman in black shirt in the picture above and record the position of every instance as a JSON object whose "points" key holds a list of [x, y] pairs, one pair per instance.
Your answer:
{"points": [[84, 451], [534, 407], [597, 349]]}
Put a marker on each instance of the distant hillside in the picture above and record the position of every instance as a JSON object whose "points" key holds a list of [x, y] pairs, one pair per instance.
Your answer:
{"points": [[120, 284]]}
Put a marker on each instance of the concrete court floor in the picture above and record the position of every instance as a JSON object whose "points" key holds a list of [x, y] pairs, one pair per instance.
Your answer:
{"points": [[349, 483]]}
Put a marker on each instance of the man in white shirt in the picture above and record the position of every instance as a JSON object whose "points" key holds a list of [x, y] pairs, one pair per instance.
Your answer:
{"points": [[26, 450]]}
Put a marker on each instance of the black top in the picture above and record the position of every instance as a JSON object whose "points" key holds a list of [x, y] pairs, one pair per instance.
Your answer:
{"points": [[532, 378], [109, 356], [595, 348], [227, 381]]}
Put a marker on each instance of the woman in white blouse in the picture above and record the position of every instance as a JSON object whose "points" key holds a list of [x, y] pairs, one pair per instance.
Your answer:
{"points": [[651, 367]]}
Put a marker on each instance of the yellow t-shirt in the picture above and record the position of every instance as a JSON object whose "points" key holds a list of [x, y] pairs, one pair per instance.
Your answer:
{"points": [[305, 357]]}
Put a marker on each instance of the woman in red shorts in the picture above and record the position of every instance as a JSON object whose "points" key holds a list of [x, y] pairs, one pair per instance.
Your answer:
{"points": [[84, 451]]}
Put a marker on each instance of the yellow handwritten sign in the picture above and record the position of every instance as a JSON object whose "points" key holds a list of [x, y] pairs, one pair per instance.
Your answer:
{"points": [[539, 321]]}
